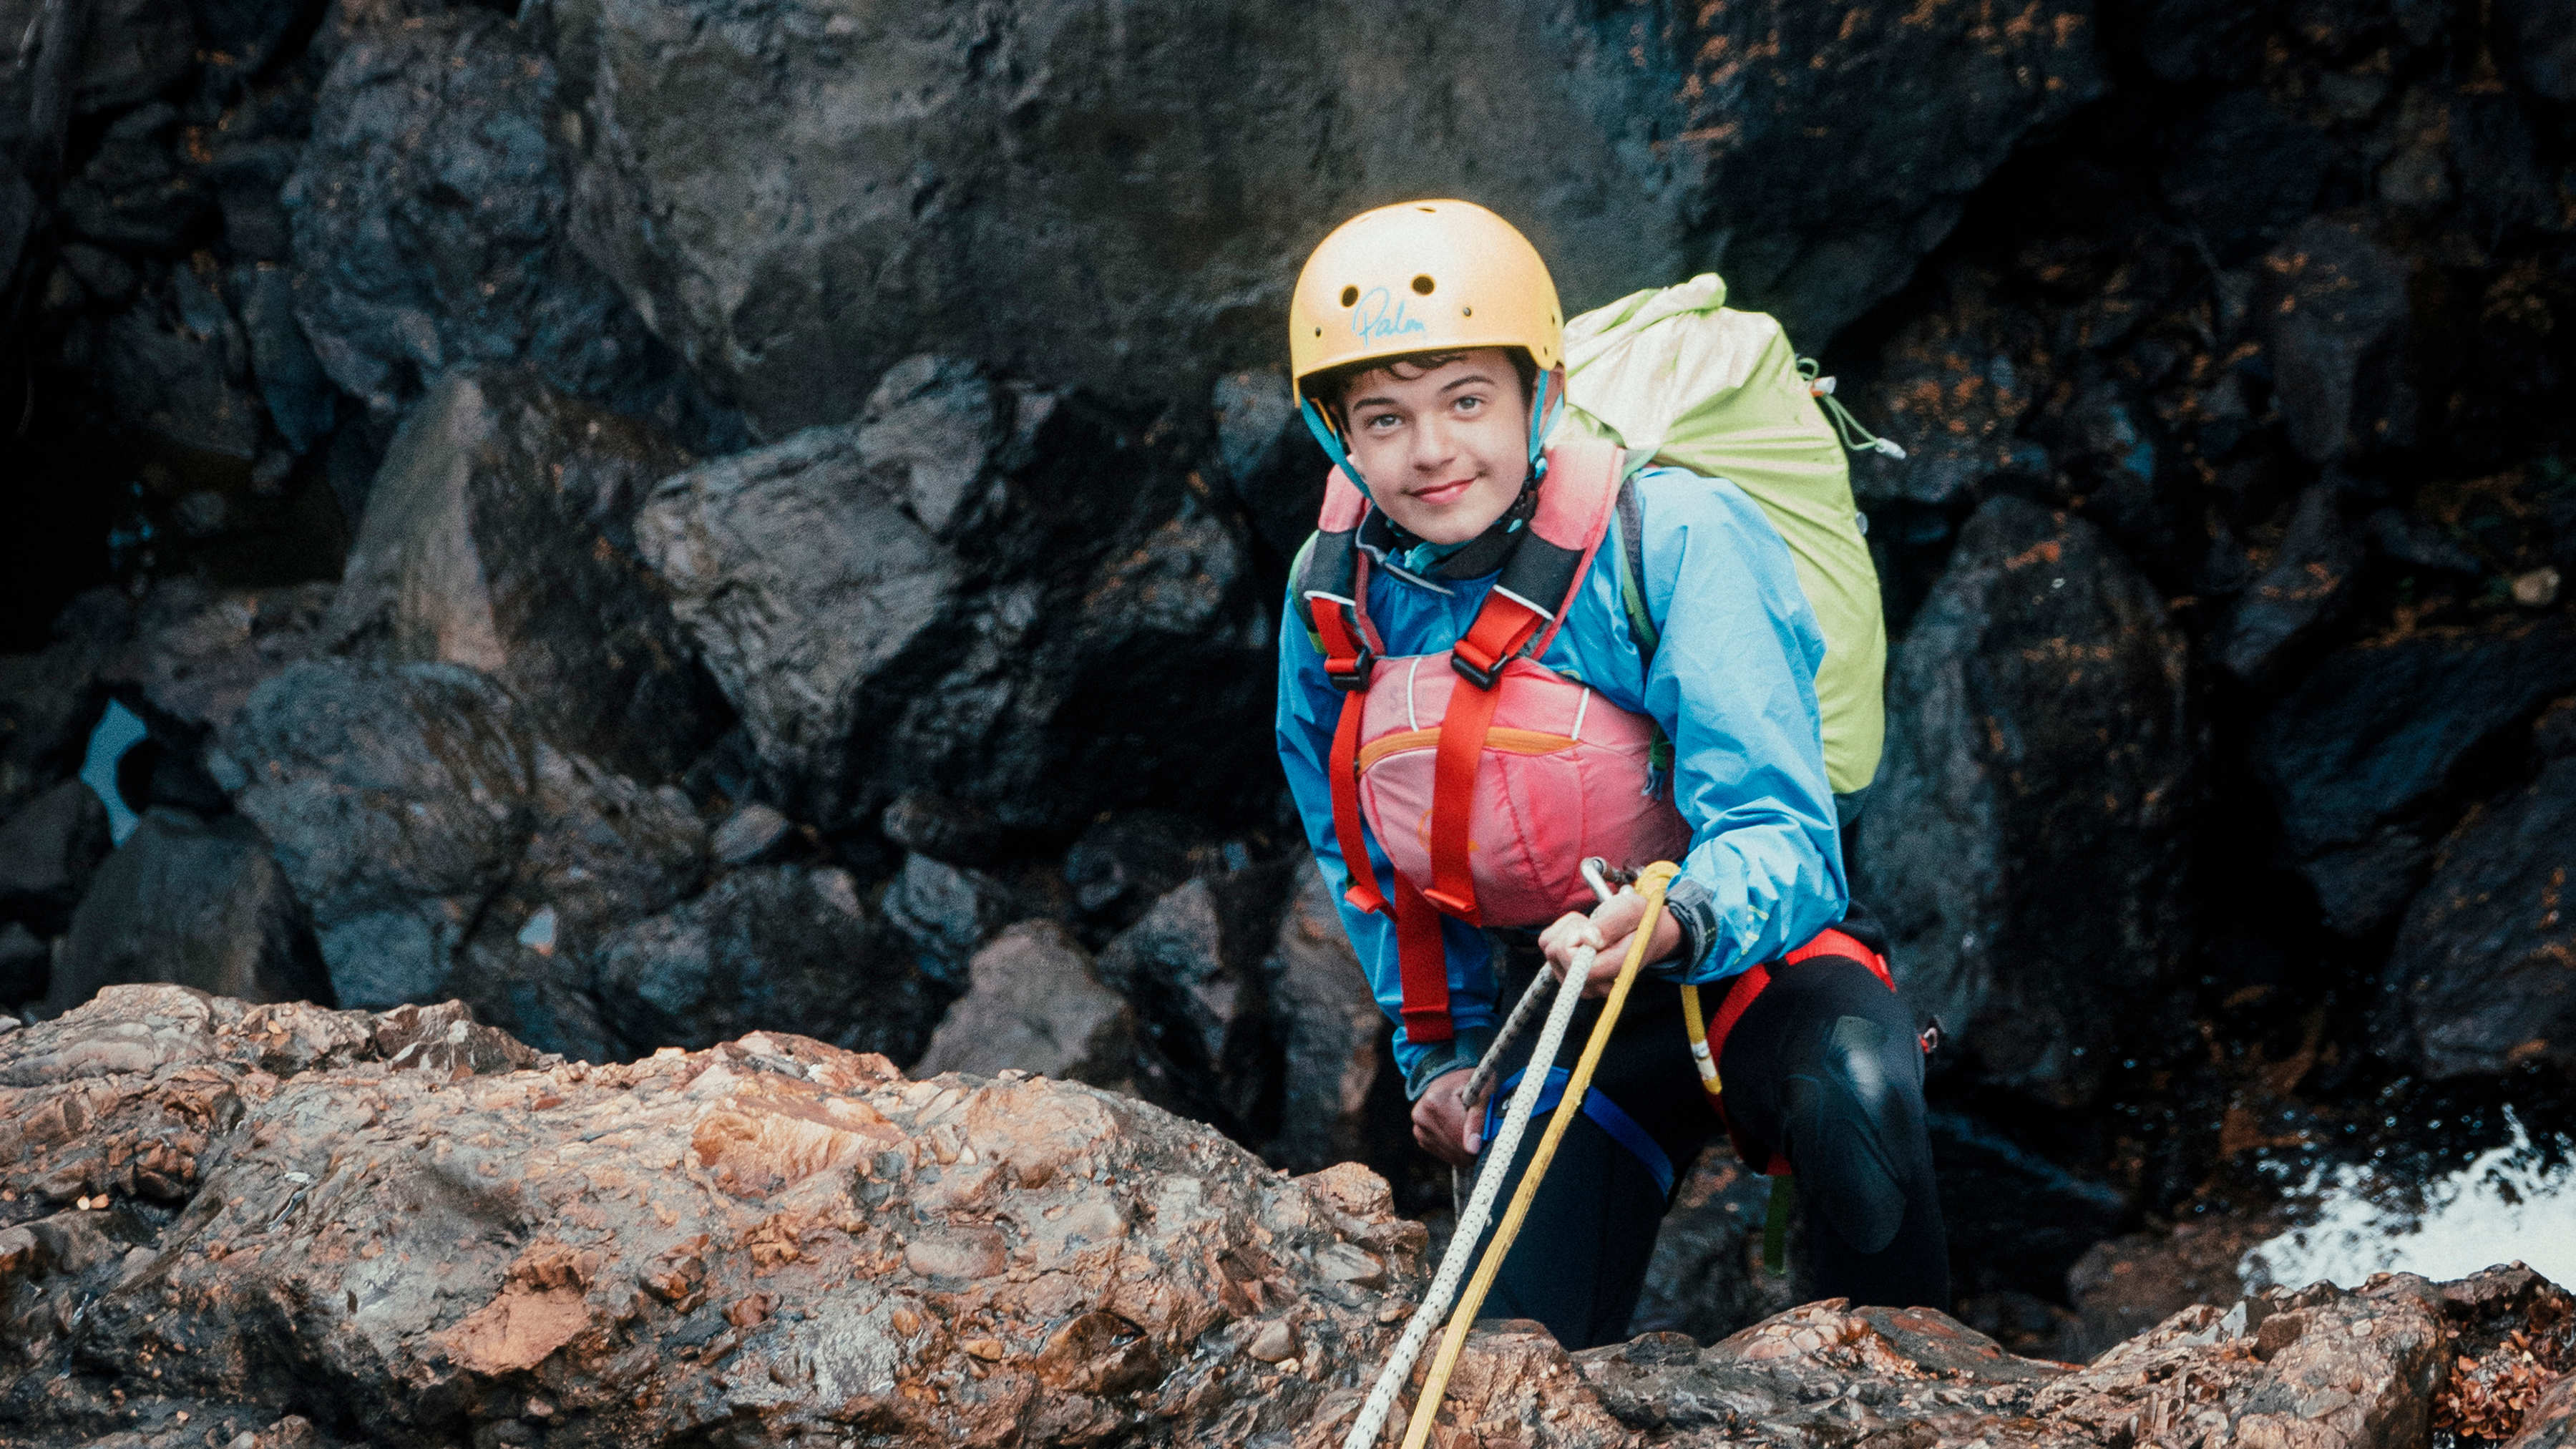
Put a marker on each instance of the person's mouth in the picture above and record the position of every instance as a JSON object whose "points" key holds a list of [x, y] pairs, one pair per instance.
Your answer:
{"points": [[1439, 493]]}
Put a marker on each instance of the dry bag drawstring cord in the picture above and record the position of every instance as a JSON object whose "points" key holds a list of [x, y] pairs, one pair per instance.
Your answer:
{"points": [[1498, 1156], [1846, 427]]}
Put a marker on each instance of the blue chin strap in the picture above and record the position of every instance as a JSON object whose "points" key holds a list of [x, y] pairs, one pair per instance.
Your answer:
{"points": [[1538, 430], [1332, 446], [1331, 442]]}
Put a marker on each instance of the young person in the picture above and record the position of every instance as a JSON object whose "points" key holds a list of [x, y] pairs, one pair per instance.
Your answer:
{"points": [[1427, 345]]}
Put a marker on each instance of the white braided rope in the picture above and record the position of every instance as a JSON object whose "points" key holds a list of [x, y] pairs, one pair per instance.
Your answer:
{"points": [[1461, 1254]]}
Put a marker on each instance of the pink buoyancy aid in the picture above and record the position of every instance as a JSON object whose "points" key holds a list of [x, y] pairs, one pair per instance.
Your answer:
{"points": [[1485, 776]]}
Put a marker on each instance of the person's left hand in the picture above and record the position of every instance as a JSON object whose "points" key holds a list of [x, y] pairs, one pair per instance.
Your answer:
{"points": [[1606, 931]]}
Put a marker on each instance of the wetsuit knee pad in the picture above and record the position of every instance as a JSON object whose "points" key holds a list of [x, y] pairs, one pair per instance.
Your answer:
{"points": [[1853, 1108]]}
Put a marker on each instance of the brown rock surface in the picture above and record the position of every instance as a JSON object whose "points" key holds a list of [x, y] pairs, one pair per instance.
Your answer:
{"points": [[316, 1227], [759, 1243]]}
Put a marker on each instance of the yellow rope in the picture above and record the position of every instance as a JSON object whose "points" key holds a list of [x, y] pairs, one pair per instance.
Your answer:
{"points": [[1650, 885], [1697, 1027]]}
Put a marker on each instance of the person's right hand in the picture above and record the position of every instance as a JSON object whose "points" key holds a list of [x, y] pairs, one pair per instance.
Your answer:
{"points": [[1442, 1123]]}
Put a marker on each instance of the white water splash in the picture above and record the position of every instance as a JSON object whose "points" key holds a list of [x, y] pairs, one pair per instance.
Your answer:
{"points": [[2512, 1202]]}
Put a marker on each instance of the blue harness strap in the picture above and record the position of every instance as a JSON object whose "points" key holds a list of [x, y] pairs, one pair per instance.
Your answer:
{"points": [[1605, 1114]]}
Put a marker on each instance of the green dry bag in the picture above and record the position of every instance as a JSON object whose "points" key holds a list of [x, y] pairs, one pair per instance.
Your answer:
{"points": [[1678, 378]]}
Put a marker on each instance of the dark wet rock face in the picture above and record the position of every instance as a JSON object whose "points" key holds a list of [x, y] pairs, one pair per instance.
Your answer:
{"points": [[2026, 841], [1193, 966], [2483, 976], [49, 700], [947, 912], [442, 845], [1680, 126], [429, 216], [2359, 753], [947, 594], [500, 535]]}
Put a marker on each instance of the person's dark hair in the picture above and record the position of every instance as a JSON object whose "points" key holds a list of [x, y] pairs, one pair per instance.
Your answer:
{"points": [[1331, 388]]}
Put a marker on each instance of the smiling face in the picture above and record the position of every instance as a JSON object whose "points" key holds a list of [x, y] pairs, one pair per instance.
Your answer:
{"points": [[1445, 448]]}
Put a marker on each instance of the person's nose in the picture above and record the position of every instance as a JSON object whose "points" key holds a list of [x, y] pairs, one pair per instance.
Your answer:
{"points": [[1435, 445]]}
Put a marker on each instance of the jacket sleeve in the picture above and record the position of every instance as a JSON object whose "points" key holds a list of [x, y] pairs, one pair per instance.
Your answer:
{"points": [[1733, 685], [1309, 706]]}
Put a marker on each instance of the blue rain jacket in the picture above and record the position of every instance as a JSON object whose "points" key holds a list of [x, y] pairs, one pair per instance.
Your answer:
{"points": [[1732, 684]]}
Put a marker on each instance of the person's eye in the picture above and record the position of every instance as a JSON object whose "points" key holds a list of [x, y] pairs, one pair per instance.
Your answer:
{"points": [[1470, 403], [1378, 422]]}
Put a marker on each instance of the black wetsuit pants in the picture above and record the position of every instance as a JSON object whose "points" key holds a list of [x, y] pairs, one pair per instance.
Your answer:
{"points": [[1825, 1067]]}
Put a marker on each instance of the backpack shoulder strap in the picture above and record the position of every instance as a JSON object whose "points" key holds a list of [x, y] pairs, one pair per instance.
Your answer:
{"points": [[1574, 507], [1629, 520], [1329, 586]]}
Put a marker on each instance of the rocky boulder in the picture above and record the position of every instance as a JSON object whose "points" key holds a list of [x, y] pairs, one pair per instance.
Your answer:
{"points": [[2028, 839], [198, 651], [422, 820], [947, 911], [408, 1228], [2480, 979], [1193, 968], [2333, 308], [428, 215], [48, 852], [771, 944], [396, 798], [198, 903], [499, 534], [1338, 1089], [773, 1238], [1034, 1003], [954, 596]]}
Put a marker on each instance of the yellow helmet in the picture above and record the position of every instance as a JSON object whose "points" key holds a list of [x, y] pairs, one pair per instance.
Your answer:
{"points": [[1422, 276]]}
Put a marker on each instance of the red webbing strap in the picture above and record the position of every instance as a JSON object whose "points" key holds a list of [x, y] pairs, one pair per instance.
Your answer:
{"points": [[1831, 942], [1422, 965], [1740, 997], [1345, 770], [1350, 658], [1502, 626]]}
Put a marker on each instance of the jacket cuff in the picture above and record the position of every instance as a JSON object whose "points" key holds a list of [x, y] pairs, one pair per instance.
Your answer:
{"points": [[1693, 909], [1459, 1053]]}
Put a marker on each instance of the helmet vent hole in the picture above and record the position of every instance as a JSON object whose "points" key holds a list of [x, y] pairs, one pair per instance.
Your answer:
{"points": [[1422, 286], [1432, 209], [1466, 311], [1350, 296]]}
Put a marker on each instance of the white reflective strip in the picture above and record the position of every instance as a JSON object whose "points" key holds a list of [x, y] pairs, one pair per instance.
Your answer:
{"points": [[1332, 598], [1580, 706], [1412, 720], [1524, 603]]}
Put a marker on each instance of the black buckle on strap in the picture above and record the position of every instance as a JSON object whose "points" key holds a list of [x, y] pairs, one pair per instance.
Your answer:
{"points": [[1355, 679], [1484, 676]]}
